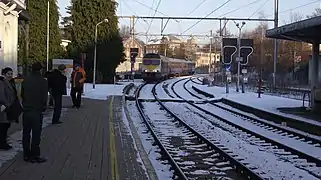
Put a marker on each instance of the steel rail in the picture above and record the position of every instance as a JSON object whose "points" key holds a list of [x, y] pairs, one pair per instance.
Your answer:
{"points": [[238, 166], [302, 155], [178, 170]]}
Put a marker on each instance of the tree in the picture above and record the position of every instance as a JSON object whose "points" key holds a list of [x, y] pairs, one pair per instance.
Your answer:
{"points": [[179, 53], [67, 25], [317, 12], [124, 31], [38, 31], [85, 15]]}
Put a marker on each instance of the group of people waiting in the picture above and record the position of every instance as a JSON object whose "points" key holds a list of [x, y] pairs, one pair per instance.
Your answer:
{"points": [[33, 103]]}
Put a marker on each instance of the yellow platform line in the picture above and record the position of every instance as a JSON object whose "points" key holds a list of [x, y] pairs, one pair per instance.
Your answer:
{"points": [[112, 144]]}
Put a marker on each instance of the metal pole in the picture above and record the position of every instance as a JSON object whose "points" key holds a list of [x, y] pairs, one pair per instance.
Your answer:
{"points": [[95, 60], [48, 10], [238, 62], [261, 64], [210, 61], [276, 20], [132, 45]]}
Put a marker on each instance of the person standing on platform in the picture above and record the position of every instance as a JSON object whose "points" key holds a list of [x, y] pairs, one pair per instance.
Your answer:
{"points": [[34, 94], [57, 85], [77, 80], [7, 99], [51, 100]]}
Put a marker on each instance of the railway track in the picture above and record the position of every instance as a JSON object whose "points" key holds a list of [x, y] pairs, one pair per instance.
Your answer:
{"points": [[284, 142], [191, 155]]}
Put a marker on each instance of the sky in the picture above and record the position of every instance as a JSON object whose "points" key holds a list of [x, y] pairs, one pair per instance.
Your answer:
{"points": [[202, 8]]}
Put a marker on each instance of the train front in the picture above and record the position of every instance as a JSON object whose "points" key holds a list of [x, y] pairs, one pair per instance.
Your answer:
{"points": [[151, 70]]}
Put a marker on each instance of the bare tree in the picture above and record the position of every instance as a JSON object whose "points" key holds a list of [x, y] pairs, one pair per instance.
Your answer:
{"points": [[124, 31], [295, 17], [317, 12]]}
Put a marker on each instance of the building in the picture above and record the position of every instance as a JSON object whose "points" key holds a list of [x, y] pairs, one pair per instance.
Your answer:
{"points": [[153, 46], [172, 42], [191, 48], [203, 59], [130, 43], [11, 13]]}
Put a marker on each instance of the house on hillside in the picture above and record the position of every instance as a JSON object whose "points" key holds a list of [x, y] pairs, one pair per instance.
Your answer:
{"points": [[153, 46], [131, 43], [12, 14]]}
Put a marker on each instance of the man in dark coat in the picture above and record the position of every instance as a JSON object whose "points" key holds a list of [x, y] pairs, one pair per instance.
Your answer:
{"points": [[77, 80], [34, 94], [57, 85], [51, 100]]}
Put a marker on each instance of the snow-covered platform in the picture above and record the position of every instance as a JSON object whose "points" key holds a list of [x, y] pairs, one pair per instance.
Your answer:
{"points": [[94, 142], [265, 107]]}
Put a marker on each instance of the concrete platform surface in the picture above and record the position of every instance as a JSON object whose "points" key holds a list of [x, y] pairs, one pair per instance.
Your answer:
{"points": [[93, 143]]}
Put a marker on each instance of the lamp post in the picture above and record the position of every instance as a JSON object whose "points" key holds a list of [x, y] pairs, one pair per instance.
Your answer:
{"points": [[48, 16], [95, 53], [239, 54]]}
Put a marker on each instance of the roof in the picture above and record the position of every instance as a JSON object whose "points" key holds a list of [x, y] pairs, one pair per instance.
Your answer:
{"points": [[154, 41], [164, 58], [141, 43], [307, 31]]}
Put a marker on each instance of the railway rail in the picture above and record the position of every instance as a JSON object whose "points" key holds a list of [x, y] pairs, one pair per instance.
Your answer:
{"points": [[205, 159], [293, 154]]}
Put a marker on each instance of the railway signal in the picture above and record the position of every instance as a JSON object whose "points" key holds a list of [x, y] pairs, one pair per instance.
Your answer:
{"points": [[133, 54], [246, 52], [228, 53], [229, 49]]}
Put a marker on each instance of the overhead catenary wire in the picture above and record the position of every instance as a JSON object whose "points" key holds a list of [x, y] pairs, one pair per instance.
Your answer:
{"points": [[199, 5], [258, 9], [137, 20], [297, 7], [241, 7], [150, 9], [206, 16], [153, 15]]}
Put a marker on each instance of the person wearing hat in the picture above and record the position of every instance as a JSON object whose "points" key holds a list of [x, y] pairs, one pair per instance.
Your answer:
{"points": [[34, 94], [78, 77], [57, 86]]}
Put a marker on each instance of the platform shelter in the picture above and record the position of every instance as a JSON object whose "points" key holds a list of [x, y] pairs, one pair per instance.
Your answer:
{"points": [[308, 31]]}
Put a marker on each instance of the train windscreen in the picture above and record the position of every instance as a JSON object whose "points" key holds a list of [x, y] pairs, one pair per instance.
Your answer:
{"points": [[151, 62]]}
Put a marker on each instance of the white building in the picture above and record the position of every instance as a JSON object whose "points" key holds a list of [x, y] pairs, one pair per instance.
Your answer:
{"points": [[11, 11]]}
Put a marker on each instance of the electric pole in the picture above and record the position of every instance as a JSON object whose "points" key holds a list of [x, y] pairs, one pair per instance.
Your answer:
{"points": [[239, 54], [210, 61]]}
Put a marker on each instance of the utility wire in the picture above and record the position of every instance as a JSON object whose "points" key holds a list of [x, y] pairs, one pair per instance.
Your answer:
{"points": [[297, 7], [153, 15], [206, 16], [234, 10], [134, 14], [196, 7], [150, 9], [259, 9]]}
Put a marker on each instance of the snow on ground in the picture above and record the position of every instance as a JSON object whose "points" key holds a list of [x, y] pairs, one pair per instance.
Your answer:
{"points": [[268, 122], [15, 140], [266, 102], [146, 92], [179, 88], [265, 161], [291, 142], [101, 91], [162, 168]]}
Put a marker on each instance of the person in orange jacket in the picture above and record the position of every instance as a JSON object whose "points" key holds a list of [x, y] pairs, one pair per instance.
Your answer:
{"points": [[77, 80]]}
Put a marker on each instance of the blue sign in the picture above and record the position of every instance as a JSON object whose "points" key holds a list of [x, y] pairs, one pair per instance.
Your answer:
{"points": [[228, 68]]}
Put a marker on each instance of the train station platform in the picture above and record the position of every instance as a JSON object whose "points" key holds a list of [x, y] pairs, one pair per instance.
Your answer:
{"points": [[93, 143]]}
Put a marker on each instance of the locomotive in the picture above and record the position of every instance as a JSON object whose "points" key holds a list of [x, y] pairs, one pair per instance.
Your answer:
{"points": [[157, 67]]}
